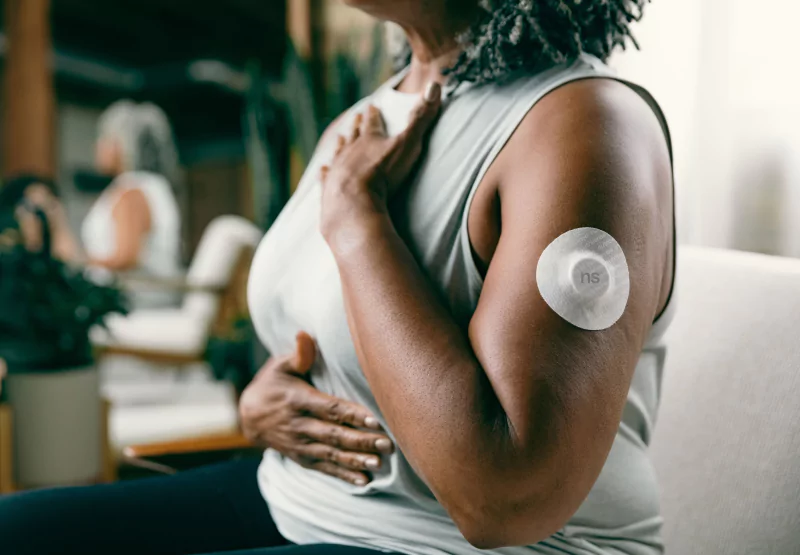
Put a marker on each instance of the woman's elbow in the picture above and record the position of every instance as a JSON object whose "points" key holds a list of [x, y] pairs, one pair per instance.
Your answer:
{"points": [[508, 524], [114, 264], [123, 260], [495, 535]]}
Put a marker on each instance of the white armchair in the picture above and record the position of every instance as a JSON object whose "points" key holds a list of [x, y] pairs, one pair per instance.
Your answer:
{"points": [[149, 404], [213, 287], [727, 441]]}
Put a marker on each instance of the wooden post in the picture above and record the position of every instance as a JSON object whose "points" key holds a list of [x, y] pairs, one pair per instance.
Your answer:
{"points": [[29, 114], [305, 27], [109, 457], [299, 24], [6, 453]]}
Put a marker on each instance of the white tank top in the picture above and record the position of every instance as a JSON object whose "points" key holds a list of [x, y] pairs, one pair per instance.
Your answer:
{"points": [[295, 286], [160, 254]]}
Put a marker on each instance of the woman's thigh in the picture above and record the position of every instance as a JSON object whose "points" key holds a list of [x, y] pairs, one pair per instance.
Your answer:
{"points": [[217, 508], [311, 549]]}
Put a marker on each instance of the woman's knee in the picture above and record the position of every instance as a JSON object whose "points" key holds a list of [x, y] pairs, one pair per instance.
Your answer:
{"points": [[23, 516]]}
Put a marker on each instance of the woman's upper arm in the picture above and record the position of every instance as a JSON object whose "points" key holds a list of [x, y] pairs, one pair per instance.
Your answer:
{"points": [[132, 223], [587, 156]]}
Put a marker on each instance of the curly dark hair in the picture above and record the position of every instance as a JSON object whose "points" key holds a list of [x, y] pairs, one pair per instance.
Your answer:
{"points": [[513, 37]]}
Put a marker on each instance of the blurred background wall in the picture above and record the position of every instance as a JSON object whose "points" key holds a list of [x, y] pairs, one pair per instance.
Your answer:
{"points": [[236, 80], [723, 71], [192, 58]]}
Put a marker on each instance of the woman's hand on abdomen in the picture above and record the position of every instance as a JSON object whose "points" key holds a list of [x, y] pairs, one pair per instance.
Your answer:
{"points": [[281, 410]]}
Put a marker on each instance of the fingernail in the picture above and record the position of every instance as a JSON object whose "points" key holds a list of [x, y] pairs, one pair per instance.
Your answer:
{"points": [[433, 92], [361, 482], [383, 445], [372, 422], [372, 463]]}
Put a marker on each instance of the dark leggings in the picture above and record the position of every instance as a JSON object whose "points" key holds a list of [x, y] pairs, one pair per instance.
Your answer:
{"points": [[212, 510]]}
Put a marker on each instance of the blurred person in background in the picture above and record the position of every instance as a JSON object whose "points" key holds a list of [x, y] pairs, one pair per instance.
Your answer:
{"points": [[424, 399], [134, 227]]}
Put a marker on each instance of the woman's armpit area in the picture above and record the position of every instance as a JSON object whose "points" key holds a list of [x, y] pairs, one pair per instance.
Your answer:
{"points": [[483, 222]]}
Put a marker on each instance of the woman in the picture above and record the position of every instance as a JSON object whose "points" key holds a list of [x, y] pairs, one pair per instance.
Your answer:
{"points": [[134, 227], [451, 410]]}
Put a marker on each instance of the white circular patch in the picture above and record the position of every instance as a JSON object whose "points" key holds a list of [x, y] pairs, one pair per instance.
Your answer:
{"points": [[583, 276]]}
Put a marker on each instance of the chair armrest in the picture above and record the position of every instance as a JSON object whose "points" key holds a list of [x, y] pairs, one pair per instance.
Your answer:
{"points": [[167, 358], [204, 444], [177, 456], [178, 285]]}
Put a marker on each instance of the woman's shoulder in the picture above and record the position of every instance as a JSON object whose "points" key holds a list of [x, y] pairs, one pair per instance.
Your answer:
{"points": [[590, 97], [145, 189], [153, 186], [140, 180]]}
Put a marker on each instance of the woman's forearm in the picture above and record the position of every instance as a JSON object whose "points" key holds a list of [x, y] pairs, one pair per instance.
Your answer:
{"points": [[432, 390]]}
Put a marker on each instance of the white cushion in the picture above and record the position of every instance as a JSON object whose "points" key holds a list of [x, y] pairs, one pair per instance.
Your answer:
{"points": [[172, 331], [215, 261], [727, 443], [156, 406], [145, 425]]}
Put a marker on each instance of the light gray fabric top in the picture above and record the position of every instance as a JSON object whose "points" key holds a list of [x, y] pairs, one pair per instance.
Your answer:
{"points": [[295, 286]]}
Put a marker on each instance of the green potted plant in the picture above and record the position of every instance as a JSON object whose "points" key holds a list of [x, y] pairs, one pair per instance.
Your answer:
{"points": [[47, 309]]}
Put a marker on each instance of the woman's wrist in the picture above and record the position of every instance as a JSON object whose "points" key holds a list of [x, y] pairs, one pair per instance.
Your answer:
{"points": [[352, 211], [354, 231]]}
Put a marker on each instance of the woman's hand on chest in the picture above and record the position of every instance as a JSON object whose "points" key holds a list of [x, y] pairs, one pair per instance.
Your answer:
{"points": [[369, 166]]}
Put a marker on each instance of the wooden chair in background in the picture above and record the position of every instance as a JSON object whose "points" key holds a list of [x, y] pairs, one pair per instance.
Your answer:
{"points": [[220, 445], [214, 305]]}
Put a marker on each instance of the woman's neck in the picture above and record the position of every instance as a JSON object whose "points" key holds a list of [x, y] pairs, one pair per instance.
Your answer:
{"points": [[434, 48]]}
